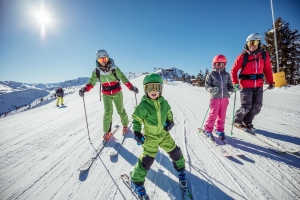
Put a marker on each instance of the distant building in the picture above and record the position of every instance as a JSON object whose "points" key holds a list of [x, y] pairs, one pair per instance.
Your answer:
{"points": [[195, 82]]}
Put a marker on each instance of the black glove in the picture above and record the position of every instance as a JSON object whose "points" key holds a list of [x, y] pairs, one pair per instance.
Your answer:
{"points": [[139, 137], [168, 125], [134, 89], [271, 86], [82, 91]]}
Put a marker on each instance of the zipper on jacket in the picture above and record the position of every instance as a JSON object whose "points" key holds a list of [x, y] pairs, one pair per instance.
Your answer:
{"points": [[108, 83], [157, 107], [221, 83], [255, 69]]}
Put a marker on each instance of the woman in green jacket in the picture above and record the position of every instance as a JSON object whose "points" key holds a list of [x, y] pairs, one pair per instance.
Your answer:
{"points": [[155, 113], [109, 76]]}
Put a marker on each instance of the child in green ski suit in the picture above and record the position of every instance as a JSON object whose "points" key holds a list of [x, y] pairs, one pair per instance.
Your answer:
{"points": [[155, 113], [109, 76]]}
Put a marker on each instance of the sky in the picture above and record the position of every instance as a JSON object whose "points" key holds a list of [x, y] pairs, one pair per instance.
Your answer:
{"points": [[42, 148], [138, 35]]}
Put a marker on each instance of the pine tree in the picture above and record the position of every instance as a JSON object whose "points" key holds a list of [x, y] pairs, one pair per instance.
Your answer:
{"points": [[288, 45], [201, 79], [206, 72]]}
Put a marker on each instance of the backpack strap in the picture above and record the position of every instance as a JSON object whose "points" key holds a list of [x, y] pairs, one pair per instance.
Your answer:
{"points": [[246, 55], [115, 74], [98, 74]]}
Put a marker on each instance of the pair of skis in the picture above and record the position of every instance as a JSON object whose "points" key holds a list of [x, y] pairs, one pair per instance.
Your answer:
{"points": [[115, 150], [88, 163], [185, 193], [223, 151]]}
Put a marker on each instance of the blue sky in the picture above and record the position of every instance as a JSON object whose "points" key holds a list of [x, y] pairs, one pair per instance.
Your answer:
{"points": [[138, 34]]}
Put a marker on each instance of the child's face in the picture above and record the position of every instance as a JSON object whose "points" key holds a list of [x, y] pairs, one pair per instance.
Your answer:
{"points": [[153, 94]]}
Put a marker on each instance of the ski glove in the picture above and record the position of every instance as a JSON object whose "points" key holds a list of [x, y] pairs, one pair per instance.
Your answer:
{"points": [[134, 89], [215, 90], [271, 86], [139, 137], [82, 91], [236, 88], [168, 125]]}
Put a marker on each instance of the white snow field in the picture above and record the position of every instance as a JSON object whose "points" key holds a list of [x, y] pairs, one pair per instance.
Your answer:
{"points": [[42, 148]]}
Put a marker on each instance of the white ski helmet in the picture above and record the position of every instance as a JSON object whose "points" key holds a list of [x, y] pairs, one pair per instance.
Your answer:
{"points": [[101, 54], [254, 36]]}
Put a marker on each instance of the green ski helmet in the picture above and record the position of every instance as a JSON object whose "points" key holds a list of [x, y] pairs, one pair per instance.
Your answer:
{"points": [[153, 82], [152, 78]]}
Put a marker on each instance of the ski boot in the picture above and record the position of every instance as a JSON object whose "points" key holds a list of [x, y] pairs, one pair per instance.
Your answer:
{"points": [[57, 105], [106, 136], [125, 129], [185, 194], [139, 189], [209, 135], [182, 179], [250, 128], [239, 125], [221, 135]]}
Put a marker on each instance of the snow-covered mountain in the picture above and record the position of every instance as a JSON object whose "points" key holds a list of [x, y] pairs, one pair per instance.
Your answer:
{"points": [[12, 86], [42, 148], [174, 74]]}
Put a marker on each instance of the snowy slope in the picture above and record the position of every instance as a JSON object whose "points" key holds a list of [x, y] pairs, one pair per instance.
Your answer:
{"points": [[41, 149]]}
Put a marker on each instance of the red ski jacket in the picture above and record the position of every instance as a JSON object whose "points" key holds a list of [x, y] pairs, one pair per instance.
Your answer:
{"points": [[255, 65]]}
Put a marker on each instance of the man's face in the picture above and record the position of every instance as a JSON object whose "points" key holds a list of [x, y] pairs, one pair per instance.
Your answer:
{"points": [[253, 45], [103, 61]]}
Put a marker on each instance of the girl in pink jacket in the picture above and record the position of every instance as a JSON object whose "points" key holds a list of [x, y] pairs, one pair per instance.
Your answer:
{"points": [[219, 84]]}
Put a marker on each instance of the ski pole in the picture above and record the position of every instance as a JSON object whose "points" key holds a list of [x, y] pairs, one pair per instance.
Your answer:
{"points": [[100, 91], [87, 126], [207, 111], [265, 89], [205, 117], [233, 113]]}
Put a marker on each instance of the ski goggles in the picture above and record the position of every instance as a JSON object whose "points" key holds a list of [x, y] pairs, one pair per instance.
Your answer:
{"points": [[153, 86], [219, 64], [102, 60], [252, 42]]}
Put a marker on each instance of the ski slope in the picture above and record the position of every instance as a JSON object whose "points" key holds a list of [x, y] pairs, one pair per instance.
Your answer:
{"points": [[42, 148]]}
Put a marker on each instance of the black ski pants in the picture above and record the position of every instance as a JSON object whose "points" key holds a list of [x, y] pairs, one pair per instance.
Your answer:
{"points": [[251, 103]]}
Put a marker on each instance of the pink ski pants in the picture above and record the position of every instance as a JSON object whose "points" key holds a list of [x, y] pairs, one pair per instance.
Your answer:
{"points": [[217, 113]]}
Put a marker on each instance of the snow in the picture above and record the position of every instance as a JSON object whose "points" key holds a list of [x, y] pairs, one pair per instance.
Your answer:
{"points": [[42, 148]]}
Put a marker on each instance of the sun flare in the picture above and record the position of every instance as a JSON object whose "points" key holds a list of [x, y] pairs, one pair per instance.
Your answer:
{"points": [[43, 17]]}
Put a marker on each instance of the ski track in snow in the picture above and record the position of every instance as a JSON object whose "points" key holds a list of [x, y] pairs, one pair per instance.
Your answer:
{"points": [[42, 148]]}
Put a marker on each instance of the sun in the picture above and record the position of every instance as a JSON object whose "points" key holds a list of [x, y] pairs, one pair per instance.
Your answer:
{"points": [[43, 19]]}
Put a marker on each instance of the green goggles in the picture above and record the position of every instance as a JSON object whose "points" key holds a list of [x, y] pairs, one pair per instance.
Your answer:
{"points": [[153, 86]]}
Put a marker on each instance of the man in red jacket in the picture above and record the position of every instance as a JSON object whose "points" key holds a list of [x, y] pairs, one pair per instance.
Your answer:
{"points": [[257, 67]]}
